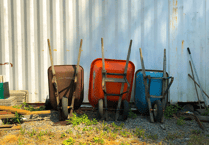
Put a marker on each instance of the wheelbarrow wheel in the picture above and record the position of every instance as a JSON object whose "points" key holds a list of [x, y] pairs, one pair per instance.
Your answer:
{"points": [[100, 109], [64, 108], [125, 107], [158, 110], [48, 104]]}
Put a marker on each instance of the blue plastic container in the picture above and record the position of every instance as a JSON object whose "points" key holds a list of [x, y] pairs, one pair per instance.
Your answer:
{"points": [[139, 92]]}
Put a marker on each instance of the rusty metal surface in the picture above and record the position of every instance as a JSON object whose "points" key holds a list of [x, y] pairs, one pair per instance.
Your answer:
{"points": [[65, 80]]}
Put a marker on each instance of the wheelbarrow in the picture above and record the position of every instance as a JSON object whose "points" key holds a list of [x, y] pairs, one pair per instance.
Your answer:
{"points": [[66, 86], [151, 90], [110, 85]]}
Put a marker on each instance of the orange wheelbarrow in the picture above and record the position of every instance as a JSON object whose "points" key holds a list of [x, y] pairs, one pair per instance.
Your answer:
{"points": [[110, 85]]}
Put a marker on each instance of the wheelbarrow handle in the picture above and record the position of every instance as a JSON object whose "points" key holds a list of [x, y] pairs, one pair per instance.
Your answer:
{"points": [[169, 85]]}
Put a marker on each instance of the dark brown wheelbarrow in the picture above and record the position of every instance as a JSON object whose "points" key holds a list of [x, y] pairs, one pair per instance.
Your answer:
{"points": [[66, 87]]}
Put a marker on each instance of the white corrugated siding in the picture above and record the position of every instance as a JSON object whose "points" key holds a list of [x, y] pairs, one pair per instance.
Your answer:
{"points": [[25, 26]]}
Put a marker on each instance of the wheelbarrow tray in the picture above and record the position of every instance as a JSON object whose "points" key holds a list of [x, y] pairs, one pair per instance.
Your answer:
{"points": [[155, 89], [65, 80], [95, 82]]}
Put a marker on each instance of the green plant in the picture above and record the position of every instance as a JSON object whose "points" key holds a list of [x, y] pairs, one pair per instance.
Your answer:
{"points": [[20, 142], [17, 106], [125, 134], [131, 114], [70, 141], [69, 131], [180, 121], [98, 140], [172, 136], [30, 108], [18, 118], [124, 143], [170, 110], [82, 119], [196, 132], [63, 135], [80, 143], [31, 134], [206, 113], [22, 131], [139, 132], [153, 137]]}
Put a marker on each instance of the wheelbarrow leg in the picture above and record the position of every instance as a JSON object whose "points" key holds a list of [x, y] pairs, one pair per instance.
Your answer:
{"points": [[75, 80], [146, 87], [106, 111], [122, 87], [164, 100]]}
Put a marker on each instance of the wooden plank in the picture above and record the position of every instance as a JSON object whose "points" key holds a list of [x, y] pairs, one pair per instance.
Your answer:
{"points": [[24, 112], [7, 116], [6, 126], [13, 128]]}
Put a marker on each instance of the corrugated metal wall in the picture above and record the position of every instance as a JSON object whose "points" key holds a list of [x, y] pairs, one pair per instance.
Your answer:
{"points": [[152, 25]]}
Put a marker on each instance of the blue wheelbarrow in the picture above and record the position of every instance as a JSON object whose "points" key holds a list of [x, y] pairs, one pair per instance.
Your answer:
{"points": [[151, 90]]}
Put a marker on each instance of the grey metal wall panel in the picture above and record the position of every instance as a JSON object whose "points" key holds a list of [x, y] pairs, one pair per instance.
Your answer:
{"points": [[153, 25]]}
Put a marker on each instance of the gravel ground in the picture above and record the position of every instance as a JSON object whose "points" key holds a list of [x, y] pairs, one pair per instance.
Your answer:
{"points": [[180, 134]]}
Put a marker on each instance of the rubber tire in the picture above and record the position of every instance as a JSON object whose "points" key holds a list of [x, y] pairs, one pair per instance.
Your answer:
{"points": [[48, 105], [64, 108], [125, 110], [159, 115], [100, 109]]}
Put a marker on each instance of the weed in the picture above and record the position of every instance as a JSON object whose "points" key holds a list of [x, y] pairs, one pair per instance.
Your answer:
{"points": [[170, 110], [20, 142], [97, 130], [131, 114], [22, 131], [180, 121], [30, 108], [31, 134], [206, 113], [69, 131], [197, 140], [82, 119], [63, 135], [17, 106], [98, 140], [125, 134], [140, 133], [196, 132], [113, 135], [153, 137], [70, 141], [124, 143], [78, 135], [173, 136]]}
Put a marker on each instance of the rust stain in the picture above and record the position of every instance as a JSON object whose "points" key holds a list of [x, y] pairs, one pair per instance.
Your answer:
{"points": [[81, 50], [176, 48], [42, 50], [55, 49], [182, 46], [6, 63], [67, 50]]}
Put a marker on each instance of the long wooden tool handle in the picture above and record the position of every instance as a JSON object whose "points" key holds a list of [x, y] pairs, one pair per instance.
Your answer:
{"points": [[103, 63], [194, 83], [197, 84], [78, 62], [50, 53], [128, 56]]}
